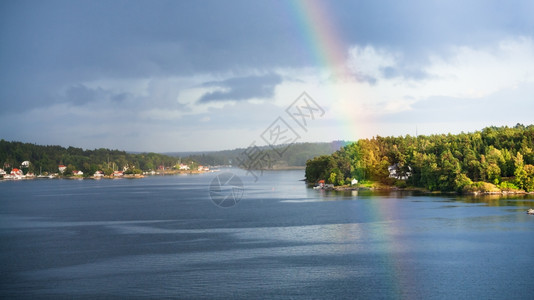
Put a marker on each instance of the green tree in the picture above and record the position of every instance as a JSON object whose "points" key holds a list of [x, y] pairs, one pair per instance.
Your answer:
{"points": [[461, 182], [520, 173], [528, 181], [332, 178], [493, 173]]}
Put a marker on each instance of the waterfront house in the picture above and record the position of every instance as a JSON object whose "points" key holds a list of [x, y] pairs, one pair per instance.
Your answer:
{"points": [[61, 168], [77, 173], [118, 173], [396, 172], [98, 174], [15, 174], [203, 168], [16, 171]]}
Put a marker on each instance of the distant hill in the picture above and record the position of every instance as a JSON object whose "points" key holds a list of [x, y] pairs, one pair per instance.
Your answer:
{"points": [[296, 155]]}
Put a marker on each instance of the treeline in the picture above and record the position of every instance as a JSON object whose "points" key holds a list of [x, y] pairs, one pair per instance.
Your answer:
{"points": [[494, 159], [45, 159], [296, 155]]}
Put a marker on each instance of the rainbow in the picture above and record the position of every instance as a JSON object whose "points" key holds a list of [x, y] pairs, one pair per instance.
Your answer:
{"points": [[321, 36], [389, 230], [316, 26]]}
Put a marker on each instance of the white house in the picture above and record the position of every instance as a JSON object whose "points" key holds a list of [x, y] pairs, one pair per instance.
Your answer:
{"points": [[62, 168], [118, 173], [395, 172], [98, 174], [2, 172], [25, 164], [78, 173], [353, 181], [183, 167]]}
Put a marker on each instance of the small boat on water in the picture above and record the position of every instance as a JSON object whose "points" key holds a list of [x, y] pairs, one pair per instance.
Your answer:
{"points": [[530, 211]]}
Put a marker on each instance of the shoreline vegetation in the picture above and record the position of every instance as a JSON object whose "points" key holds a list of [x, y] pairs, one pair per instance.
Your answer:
{"points": [[495, 160], [29, 161], [379, 187]]}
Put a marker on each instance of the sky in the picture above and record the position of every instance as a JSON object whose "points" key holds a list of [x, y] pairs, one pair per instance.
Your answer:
{"points": [[167, 76]]}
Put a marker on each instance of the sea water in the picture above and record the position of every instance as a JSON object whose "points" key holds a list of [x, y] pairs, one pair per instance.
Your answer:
{"points": [[164, 237]]}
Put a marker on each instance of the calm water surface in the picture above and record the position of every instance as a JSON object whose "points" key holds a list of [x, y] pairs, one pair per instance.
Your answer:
{"points": [[162, 237]]}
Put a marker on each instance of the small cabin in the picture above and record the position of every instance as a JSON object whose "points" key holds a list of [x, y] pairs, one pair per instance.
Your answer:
{"points": [[396, 172]]}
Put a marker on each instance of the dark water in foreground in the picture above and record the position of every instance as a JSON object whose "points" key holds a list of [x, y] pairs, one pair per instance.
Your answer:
{"points": [[162, 237]]}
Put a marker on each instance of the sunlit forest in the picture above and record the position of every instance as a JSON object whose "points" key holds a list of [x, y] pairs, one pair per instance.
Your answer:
{"points": [[491, 160]]}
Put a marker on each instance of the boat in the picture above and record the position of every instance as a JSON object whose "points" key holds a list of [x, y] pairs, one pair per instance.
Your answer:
{"points": [[530, 211]]}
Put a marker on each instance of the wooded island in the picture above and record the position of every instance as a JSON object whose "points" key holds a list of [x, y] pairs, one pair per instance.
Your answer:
{"points": [[493, 160]]}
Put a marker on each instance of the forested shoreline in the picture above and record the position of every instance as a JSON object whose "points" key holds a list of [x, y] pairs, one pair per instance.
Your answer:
{"points": [[46, 159], [494, 159]]}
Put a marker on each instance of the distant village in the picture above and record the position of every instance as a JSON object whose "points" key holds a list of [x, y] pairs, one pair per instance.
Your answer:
{"points": [[22, 172]]}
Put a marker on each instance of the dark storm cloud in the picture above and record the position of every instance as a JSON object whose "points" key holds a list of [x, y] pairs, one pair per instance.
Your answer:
{"points": [[55, 54], [49, 45], [242, 88]]}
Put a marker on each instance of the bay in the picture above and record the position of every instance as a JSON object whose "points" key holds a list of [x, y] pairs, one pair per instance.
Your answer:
{"points": [[163, 237]]}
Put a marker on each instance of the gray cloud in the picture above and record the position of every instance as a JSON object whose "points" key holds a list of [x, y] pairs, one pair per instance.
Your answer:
{"points": [[80, 94], [242, 88], [52, 50], [489, 109], [49, 45]]}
